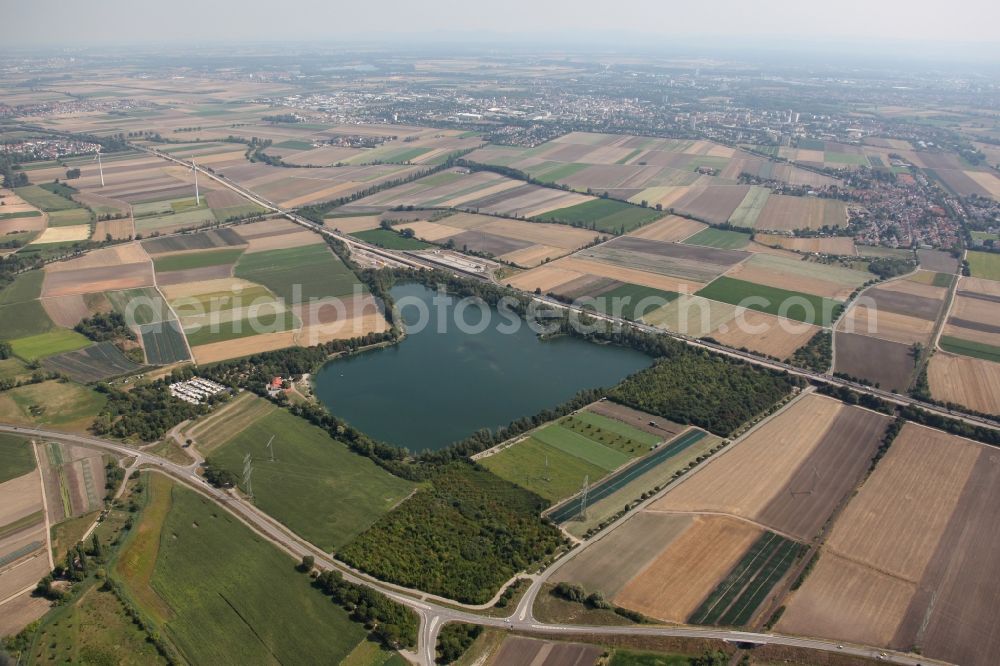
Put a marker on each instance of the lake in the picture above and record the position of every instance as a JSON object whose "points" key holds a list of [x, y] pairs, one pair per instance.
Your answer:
{"points": [[435, 388]]}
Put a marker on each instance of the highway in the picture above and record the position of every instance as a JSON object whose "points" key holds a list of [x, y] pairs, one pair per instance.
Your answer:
{"points": [[413, 261], [435, 615]]}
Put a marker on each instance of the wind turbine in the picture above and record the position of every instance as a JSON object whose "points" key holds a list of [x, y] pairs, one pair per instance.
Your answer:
{"points": [[197, 197], [100, 166]]}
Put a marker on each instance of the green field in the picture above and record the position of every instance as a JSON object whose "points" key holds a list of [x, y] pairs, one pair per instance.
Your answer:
{"points": [[188, 219], [555, 173], [13, 368], [57, 341], [969, 348], [984, 265], [633, 308], [554, 461], [391, 240], [225, 595], [314, 269], [316, 485], [14, 216], [266, 321], [19, 320], [630, 658], [70, 218], [605, 215], [845, 158], [240, 211], [749, 210], [163, 342], [726, 240], [16, 457], [791, 304], [294, 144], [943, 280], [735, 599], [52, 403], [144, 305], [200, 259], [41, 198], [25, 287]]}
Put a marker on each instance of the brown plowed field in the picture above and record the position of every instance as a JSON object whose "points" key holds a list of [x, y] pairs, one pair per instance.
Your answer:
{"points": [[977, 310], [20, 497], [751, 474], [972, 382], [664, 282], [888, 364], [66, 311], [220, 351], [899, 516], [676, 582], [916, 287], [118, 229], [937, 261], [902, 301], [844, 600], [764, 333], [827, 475], [533, 255], [785, 213], [518, 650], [886, 325], [952, 615], [715, 204], [90, 280], [608, 565], [638, 420], [670, 228]]}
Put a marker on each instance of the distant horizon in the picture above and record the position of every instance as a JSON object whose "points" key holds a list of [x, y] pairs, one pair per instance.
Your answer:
{"points": [[850, 28]]}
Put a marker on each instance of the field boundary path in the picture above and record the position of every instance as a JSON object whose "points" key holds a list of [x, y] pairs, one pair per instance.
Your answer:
{"points": [[434, 616]]}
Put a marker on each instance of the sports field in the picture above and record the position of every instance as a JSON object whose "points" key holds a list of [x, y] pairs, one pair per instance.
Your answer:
{"points": [[298, 274], [315, 485], [222, 594]]}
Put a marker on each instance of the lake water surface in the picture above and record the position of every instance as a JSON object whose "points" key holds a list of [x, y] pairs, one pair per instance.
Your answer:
{"points": [[436, 388]]}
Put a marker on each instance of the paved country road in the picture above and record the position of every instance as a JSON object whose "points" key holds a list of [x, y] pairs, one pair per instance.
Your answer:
{"points": [[435, 615]]}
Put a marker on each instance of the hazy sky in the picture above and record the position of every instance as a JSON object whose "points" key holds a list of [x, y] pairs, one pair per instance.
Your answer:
{"points": [[69, 22]]}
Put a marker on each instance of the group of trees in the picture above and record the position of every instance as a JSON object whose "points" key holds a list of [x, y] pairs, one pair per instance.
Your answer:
{"points": [[105, 327], [462, 538], [454, 640], [817, 354], [713, 392], [145, 413], [392, 624]]}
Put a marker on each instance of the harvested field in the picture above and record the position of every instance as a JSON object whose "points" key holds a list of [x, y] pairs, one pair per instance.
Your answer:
{"points": [[794, 305], [976, 313], [675, 583], [971, 382], [63, 234], [121, 229], [764, 333], [284, 241], [908, 298], [749, 210], [66, 311], [715, 204], [798, 274], [221, 351], [205, 240], [194, 275], [671, 228], [118, 255], [688, 262], [886, 325], [785, 451], [938, 261], [609, 564], [898, 518], [90, 280], [692, 315], [786, 213], [533, 255], [519, 650], [350, 225], [888, 365], [841, 598], [583, 266], [823, 245], [971, 286], [95, 363]]}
